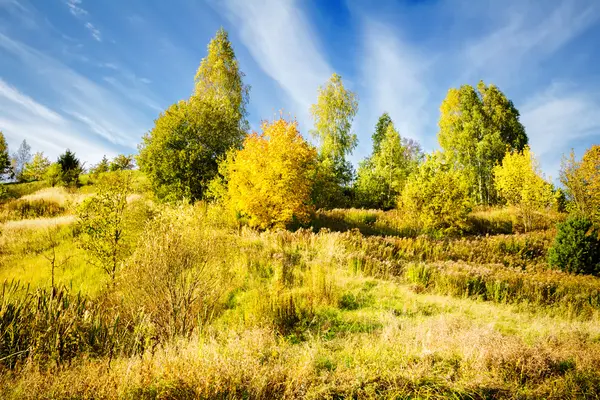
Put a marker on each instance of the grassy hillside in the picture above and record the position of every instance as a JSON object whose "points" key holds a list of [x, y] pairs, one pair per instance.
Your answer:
{"points": [[355, 304]]}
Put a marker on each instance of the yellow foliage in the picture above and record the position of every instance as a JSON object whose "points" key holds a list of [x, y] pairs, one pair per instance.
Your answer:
{"points": [[269, 180], [520, 183]]}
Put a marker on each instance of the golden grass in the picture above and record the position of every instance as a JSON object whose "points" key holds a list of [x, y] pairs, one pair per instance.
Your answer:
{"points": [[37, 223]]}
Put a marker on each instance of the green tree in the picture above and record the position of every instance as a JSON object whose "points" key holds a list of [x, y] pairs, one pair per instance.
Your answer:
{"points": [[4, 157], [102, 219], [576, 247], [122, 162], [382, 176], [333, 114], [36, 169], [21, 158], [520, 183], [437, 196], [380, 130], [100, 168], [70, 168], [180, 154], [477, 127], [53, 174]]}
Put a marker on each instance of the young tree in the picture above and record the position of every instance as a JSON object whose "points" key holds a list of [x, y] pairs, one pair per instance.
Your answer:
{"points": [[70, 168], [180, 154], [333, 114], [437, 196], [520, 183], [100, 168], [380, 130], [382, 177], [269, 180], [102, 221], [4, 157], [36, 169], [122, 163], [53, 174], [582, 182], [21, 158], [476, 129]]}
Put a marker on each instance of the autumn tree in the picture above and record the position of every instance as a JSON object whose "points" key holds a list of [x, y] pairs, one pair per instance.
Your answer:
{"points": [[180, 154], [102, 221], [581, 180], [36, 169], [333, 114], [380, 130], [382, 176], [20, 159], [477, 127], [520, 183], [437, 196], [4, 157], [269, 181], [53, 174]]}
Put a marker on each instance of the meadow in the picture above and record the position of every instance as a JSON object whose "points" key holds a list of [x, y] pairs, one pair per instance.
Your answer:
{"points": [[355, 303]]}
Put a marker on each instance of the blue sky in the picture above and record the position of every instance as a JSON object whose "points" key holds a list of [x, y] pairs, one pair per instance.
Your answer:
{"points": [[93, 75]]}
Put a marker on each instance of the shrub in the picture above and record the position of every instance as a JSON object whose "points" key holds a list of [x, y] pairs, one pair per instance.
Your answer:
{"points": [[576, 247]]}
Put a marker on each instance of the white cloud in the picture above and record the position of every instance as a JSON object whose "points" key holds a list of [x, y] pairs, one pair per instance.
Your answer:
{"points": [[21, 117], [394, 75], [94, 31], [281, 41], [557, 119], [93, 114], [75, 8]]}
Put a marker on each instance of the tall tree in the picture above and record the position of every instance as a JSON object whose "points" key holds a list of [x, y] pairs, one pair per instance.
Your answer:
{"points": [[4, 157], [582, 182], [380, 130], [382, 176], [180, 154], [21, 158], [477, 127], [333, 114]]}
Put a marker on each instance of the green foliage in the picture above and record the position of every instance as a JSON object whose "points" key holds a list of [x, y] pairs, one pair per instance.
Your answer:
{"points": [[53, 174], [333, 114], [36, 169], [380, 130], [381, 177], [576, 248], [121, 162], [180, 154], [100, 168], [476, 129], [102, 220], [519, 182], [4, 156], [70, 168], [437, 196]]}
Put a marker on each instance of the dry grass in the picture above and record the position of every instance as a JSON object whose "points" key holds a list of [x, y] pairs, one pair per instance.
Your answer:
{"points": [[13, 227]]}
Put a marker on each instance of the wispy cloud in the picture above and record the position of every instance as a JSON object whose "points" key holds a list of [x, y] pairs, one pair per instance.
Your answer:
{"points": [[394, 76], [282, 42], [75, 8], [108, 120], [95, 32]]}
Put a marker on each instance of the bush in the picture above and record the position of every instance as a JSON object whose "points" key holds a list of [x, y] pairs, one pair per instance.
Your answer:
{"points": [[576, 247]]}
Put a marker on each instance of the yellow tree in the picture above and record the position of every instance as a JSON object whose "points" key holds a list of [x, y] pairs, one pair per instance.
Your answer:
{"points": [[582, 181], [520, 183], [269, 180]]}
